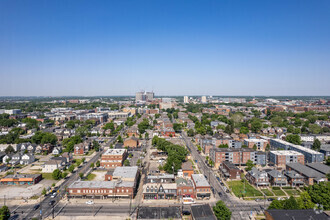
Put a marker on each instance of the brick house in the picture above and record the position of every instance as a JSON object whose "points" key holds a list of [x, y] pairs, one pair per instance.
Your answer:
{"points": [[257, 178], [230, 171], [187, 169], [185, 188], [276, 178], [131, 142]]}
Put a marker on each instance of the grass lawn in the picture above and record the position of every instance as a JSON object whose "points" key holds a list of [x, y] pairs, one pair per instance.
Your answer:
{"points": [[90, 152], [90, 177], [238, 186], [267, 192], [278, 192], [292, 192], [47, 176]]}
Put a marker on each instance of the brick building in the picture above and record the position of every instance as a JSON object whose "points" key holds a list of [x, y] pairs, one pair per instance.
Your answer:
{"points": [[282, 157], [113, 158], [202, 186], [187, 169], [236, 156], [230, 171], [21, 179], [131, 142]]}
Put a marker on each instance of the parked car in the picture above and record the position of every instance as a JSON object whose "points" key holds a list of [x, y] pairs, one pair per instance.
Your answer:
{"points": [[218, 178], [270, 199], [90, 202], [51, 203], [257, 200], [185, 213], [220, 194], [36, 207]]}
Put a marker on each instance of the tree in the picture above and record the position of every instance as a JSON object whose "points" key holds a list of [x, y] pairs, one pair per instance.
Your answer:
{"points": [[9, 149], [92, 165], [320, 194], [293, 138], [314, 129], [276, 204], [255, 147], [83, 160], [290, 203], [57, 174], [146, 136], [229, 129], [177, 127], [305, 201], [249, 165], [120, 139], [98, 163], [316, 145], [223, 146], [4, 213], [244, 146], [81, 175], [244, 130], [71, 168], [78, 163], [256, 125], [96, 145], [126, 163], [138, 162], [190, 132], [64, 174], [44, 191], [221, 211]]}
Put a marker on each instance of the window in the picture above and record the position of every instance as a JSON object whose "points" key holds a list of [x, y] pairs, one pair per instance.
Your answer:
{"points": [[70, 190]]}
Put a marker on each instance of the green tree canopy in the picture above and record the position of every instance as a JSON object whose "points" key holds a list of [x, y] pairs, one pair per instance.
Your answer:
{"points": [[293, 138], [221, 212], [316, 145], [57, 174]]}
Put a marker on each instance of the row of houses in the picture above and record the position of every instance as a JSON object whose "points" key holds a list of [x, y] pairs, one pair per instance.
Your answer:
{"points": [[295, 174]]}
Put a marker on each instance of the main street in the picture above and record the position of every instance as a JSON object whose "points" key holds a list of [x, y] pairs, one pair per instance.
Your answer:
{"points": [[234, 204]]}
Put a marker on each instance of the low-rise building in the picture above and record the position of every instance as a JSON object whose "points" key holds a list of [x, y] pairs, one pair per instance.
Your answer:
{"points": [[187, 169], [310, 175], [161, 178], [257, 178], [21, 179], [202, 186], [113, 158], [131, 142], [159, 191], [236, 156], [101, 189], [276, 178], [185, 188], [294, 179], [230, 171]]}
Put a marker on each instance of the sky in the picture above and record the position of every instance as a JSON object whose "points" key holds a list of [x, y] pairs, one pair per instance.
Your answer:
{"points": [[92, 48]]}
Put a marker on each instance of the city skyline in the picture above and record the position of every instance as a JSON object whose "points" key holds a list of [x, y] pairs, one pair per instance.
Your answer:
{"points": [[255, 48]]}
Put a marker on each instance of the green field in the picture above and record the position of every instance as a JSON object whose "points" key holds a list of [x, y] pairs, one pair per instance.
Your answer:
{"points": [[90, 177], [47, 176], [267, 192], [292, 192], [278, 192], [238, 187]]}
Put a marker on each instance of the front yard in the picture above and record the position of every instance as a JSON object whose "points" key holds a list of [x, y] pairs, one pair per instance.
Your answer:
{"points": [[237, 186]]}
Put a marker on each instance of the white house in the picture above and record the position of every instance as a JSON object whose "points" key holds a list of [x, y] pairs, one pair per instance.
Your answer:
{"points": [[56, 150], [53, 164], [27, 159]]}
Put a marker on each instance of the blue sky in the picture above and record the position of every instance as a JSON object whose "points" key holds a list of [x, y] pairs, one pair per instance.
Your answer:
{"points": [[177, 47]]}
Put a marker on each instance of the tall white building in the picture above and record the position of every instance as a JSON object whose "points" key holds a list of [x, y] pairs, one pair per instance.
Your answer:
{"points": [[204, 99], [186, 99], [144, 96]]}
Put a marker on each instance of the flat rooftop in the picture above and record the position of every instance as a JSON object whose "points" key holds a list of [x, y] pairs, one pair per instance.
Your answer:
{"points": [[200, 180], [100, 184], [125, 172], [115, 152], [286, 152]]}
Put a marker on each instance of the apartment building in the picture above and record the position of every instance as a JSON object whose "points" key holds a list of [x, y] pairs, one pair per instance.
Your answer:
{"points": [[282, 157], [259, 143], [236, 156], [311, 156], [113, 158]]}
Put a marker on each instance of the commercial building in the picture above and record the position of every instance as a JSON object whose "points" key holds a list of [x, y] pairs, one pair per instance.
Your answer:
{"points": [[159, 191], [113, 158], [144, 96], [185, 187], [131, 142], [282, 157], [202, 186], [236, 156], [21, 179], [101, 189]]}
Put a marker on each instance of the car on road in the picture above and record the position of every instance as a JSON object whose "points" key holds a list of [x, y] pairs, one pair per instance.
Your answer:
{"points": [[90, 202], [53, 195], [220, 194], [51, 203], [186, 213], [227, 191], [36, 207]]}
